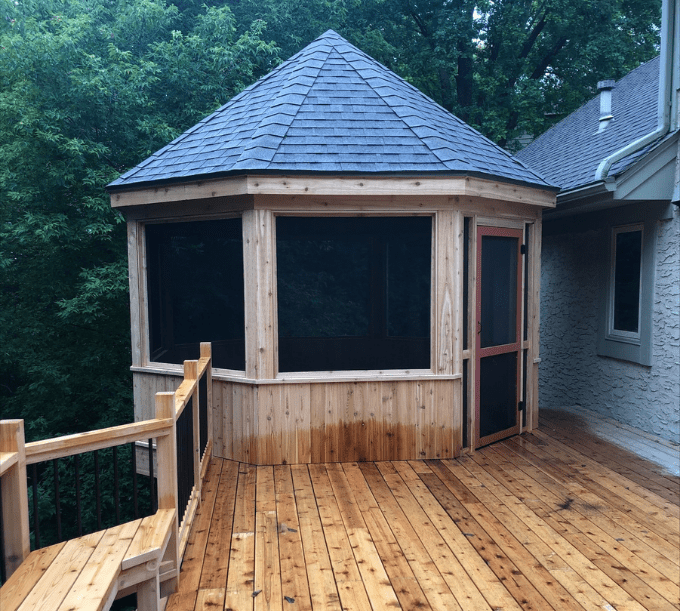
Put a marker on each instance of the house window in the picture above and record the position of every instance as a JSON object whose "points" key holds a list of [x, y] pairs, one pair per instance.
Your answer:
{"points": [[353, 293], [626, 328], [195, 291], [625, 278]]}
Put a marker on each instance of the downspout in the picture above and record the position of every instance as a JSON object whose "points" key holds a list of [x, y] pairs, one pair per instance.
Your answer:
{"points": [[675, 109], [669, 13]]}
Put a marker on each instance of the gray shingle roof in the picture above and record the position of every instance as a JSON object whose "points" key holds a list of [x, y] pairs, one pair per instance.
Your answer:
{"points": [[569, 153], [331, 109]]}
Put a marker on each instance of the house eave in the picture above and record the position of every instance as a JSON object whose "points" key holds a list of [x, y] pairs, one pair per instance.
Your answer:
{"points": [[649, 179], [333, 185]]}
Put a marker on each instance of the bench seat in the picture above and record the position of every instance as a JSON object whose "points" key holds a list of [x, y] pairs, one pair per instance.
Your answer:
{"points": [[87, 573]]}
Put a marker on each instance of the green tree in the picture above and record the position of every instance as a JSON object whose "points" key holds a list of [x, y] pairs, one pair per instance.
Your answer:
{"points": [[89, 89], [506, 67]]}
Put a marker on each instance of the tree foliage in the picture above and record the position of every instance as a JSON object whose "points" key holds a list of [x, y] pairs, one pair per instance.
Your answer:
{"points": [[89, 88], [506, 66]]}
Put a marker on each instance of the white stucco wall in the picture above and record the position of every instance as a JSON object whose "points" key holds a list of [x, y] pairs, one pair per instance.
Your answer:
{"points": [[571, 372]]}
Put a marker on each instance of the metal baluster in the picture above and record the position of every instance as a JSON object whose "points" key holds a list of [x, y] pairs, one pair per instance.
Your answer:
{"points": [[134, 479], [57, 500], [79, 523], [36, 517], [154, 506], [116, 493], [97, 490]]}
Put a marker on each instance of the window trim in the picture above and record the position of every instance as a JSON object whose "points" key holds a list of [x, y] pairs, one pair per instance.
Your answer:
{"points": [[620, 345], [354, 374], [632, 337], [147, 363]]}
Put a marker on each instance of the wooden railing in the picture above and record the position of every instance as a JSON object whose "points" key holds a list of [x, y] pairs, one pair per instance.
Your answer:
{"points": [[181, 460]]}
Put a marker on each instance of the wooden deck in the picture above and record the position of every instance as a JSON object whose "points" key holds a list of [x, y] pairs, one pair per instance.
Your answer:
{"points": [[557, 520]]}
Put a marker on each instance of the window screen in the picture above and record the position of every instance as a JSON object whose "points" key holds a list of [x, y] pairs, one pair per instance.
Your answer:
{"points": [[195, 291], [353, 293]]}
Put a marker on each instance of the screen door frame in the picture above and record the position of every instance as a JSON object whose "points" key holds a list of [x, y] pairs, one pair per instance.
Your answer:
{"points": [[490, 351]]}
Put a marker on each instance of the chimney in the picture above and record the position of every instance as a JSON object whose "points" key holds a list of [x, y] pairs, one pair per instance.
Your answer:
{"points": [[605, 89]]}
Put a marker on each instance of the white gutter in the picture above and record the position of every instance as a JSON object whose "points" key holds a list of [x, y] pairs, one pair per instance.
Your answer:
{"points": [[669, 12], [675, 111]]}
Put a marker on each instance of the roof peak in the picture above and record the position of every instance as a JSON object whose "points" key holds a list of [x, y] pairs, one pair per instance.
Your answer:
{"points": [[330, 108]]}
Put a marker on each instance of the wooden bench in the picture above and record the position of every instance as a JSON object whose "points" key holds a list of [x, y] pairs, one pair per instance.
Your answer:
{"points": [[90, 572]]}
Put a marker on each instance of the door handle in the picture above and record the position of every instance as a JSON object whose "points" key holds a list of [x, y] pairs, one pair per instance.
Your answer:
{"points": [[479, 327]]}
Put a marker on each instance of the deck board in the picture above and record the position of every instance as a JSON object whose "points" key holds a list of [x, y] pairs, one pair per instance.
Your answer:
{"points": [[556, 520]]}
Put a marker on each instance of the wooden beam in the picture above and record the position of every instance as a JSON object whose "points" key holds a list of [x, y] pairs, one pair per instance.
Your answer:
{"points": [[14, 496], [59, 447], [534, 326], [136, 327], [472, 333], [166, 450], [201, 189], [335, 185], [260, 302], [7, 460], [444, 293]]}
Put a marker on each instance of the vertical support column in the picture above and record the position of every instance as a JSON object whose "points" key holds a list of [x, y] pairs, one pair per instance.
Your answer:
{"points": [[260, 301], [14, 496], [533, 359], [472, 334], [445, 287], [133, 243], [166, 452], [448, 319], [149, 594]]}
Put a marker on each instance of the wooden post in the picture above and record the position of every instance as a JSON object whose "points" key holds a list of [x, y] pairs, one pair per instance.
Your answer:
{"points": [[534, 326], [14, 496], [446, 328], [472, 334], [260, 300], [166, 453]]}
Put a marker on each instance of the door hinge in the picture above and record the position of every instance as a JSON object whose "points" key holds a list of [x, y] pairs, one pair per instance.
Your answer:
{"points": [[523, 249], [520, 406]]}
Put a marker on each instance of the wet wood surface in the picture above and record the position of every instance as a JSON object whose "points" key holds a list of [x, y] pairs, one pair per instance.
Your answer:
{"points": [[554, 520]]}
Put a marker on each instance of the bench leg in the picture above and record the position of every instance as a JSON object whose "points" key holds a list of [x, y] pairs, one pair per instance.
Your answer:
{"points": [[148, 595]]}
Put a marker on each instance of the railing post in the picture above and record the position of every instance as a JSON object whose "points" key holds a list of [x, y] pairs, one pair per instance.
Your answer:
{"points": [[166, 458], [191, 373], [206, 352], [14, 497]]}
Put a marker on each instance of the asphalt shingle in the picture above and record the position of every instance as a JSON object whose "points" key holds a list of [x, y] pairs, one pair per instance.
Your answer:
{"points": [[330, 108], [569, 153]]}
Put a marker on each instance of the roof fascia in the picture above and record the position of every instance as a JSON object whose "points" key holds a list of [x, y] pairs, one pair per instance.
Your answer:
{"points": [[334, 185], [652, 176], [589, 198]]}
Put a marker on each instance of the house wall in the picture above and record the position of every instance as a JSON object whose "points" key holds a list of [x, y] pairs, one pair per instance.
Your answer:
{"points": [[571, 371], [262, 416], [292, 423]]}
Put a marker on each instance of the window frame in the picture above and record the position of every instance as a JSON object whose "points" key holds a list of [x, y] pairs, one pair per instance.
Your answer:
{"points": [[632, 337], [621, 345], [360, 373], [145, 298]]}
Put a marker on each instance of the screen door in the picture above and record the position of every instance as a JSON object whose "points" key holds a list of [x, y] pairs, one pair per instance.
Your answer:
{"points": [[499, 309]]}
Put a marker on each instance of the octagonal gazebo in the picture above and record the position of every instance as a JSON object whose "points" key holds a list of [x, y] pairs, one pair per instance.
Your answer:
{"points": [[364, 263]]}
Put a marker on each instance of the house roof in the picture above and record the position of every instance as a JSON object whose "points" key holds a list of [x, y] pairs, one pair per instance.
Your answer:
{"points": [[329, 109], [569, 153]]}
